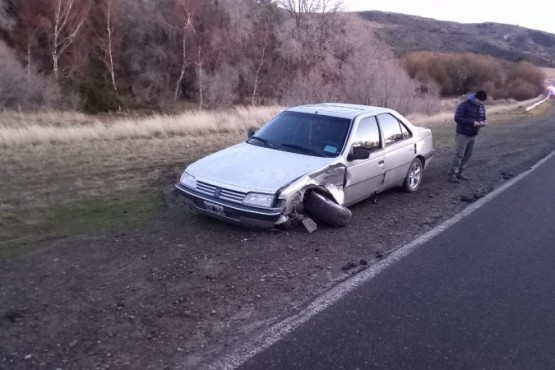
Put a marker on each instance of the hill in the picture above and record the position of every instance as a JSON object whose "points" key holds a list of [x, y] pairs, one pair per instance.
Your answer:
{"points": [[407, 33]]}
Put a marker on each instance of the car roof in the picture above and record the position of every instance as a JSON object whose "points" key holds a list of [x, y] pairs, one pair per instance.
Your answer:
{"points": [[342, 110]]}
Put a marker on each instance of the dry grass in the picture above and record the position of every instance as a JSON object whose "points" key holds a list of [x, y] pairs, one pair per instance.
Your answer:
{"points": [[58, 160], [40, 185], [445, 118], [64, 128], [41, 176], [52, 118], [23, 130], [549, 75]]}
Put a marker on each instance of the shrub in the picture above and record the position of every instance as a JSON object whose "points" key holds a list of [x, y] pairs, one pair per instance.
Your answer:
{"points": [[98, 96], [456, 74], [220, 87], [21, 89]]}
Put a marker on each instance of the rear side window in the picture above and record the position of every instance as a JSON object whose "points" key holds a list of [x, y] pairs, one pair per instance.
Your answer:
{"points": [[406, 133], [393, 130]]}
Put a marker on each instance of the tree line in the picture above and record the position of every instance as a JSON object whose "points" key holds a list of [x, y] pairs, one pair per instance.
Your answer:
{"points": [[457, 73], [100, 55]]}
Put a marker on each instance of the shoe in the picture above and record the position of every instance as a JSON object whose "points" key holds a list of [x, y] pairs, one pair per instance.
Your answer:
{"points": [[453, 179], [460, 176]]}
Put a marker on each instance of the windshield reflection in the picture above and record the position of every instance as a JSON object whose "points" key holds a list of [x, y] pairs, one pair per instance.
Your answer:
{"points": [[305, 133]]}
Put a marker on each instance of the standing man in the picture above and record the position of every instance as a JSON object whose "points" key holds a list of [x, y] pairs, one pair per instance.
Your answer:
{"points": [[470, 117]]}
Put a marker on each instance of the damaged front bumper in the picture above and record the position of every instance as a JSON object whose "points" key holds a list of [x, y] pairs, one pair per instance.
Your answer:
{"points": [[230, 211], [216, 201]]}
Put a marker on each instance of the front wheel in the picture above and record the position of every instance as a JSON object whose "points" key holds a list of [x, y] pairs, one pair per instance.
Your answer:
{"points": [[324, 209], [414, 176]]}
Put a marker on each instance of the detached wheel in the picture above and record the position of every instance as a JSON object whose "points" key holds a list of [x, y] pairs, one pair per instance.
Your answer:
{"points": [[324, 209], [414, 176]]}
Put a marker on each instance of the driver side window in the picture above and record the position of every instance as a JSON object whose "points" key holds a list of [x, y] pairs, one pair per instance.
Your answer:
{"points": [[368, 134]]}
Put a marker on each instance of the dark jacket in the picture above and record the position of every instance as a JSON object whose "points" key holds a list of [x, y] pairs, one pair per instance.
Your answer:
{"points": [[467, 113]]}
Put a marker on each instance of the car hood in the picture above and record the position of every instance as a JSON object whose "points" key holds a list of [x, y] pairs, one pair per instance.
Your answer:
{"points": [[245, 167]]}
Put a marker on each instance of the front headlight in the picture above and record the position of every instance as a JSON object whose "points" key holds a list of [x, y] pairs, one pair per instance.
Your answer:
{"points": [[188, 180], [259, 199]]}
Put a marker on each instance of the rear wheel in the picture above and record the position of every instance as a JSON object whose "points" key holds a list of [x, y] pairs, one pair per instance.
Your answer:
{"points": [[414, 176], [325, 209]]}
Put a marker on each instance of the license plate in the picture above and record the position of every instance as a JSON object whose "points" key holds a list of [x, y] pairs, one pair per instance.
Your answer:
{"points": [[214, 208]]}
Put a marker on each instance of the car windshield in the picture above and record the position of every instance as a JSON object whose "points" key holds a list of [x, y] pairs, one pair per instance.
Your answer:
{"points": [[305, 133]]}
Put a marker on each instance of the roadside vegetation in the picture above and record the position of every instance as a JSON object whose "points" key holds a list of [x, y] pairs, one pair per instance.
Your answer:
{"points": [[454, 74], [106, 55], [67, 174], [20, 129], [549, 76], [67, 179], [124, 55], [103, 103]]}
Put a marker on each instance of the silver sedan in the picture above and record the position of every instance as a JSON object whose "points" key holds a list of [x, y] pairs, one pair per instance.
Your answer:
{"points": [[309, 162]]}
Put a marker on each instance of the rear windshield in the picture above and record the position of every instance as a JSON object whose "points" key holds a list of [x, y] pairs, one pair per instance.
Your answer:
{"points": [[305, 133]]}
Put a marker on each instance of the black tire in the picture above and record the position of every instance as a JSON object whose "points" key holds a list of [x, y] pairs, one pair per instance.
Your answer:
{"points": [[414, 176], [324, 209]]}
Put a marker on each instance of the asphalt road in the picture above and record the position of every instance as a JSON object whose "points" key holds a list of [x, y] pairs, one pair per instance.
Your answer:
{"points": [[481, 294]]}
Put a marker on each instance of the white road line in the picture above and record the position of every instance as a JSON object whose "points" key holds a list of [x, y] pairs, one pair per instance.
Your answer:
{"points": [[279, 330], [538, 103]]}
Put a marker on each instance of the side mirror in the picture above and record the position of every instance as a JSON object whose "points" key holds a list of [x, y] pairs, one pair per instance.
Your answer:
{"points": [[251, 131], [358, 152]]}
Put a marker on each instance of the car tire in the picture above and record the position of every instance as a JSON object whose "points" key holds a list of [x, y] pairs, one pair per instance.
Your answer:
{"points": [[325, 209], [414, 176]]}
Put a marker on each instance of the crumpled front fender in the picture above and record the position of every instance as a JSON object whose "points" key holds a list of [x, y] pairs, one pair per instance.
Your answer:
{"points": [[331, 179]]}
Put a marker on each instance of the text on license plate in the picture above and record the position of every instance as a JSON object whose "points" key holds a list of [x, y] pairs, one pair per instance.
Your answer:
{"points": [[214, 208]]}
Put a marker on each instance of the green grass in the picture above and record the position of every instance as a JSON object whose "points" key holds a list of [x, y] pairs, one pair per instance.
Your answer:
{"points": [[443, 137], [114, 213]]}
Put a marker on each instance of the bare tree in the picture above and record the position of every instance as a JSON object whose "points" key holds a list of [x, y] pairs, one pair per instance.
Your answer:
{"points": [[185, 12], [30, 24], [372, 75], [299, 8], [200, 73], [107, 42], [263, 47], [213, 45], [68, 21], [261, 44], [319, 48]]}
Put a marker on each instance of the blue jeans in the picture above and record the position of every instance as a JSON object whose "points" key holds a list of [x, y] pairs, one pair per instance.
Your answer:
{"points": [[463, 153]]}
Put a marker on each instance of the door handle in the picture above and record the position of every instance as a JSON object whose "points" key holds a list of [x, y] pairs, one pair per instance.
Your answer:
{"points": [[381, 162]]}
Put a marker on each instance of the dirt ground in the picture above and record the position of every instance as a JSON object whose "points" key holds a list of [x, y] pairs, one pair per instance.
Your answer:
{"points": [[183, 290]]}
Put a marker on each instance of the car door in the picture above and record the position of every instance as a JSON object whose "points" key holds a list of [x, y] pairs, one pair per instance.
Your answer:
{"points": [[399, 149], [365, 176]]}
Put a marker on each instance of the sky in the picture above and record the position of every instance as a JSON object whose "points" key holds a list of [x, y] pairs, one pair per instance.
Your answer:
{"points": [[534, 14]]}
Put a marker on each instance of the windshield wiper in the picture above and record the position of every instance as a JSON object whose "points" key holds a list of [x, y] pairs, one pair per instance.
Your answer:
{"points": [[264, 141], [303, 149]]}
